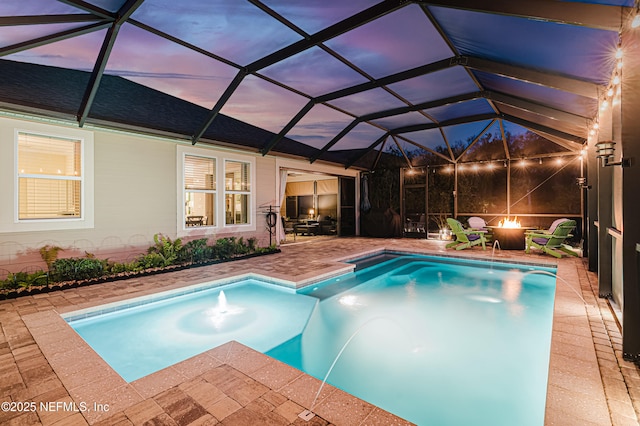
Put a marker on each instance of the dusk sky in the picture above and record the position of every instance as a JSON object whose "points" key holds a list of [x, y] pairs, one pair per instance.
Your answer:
{"points": [[240, 33]]}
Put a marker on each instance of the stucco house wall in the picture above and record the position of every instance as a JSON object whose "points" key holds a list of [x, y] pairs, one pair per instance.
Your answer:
{"points": [[133, 190]]}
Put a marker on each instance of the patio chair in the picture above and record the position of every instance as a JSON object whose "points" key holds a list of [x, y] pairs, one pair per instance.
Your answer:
{"points": [[479, 224], [554, 225], [465, 238], [288, 228], [550, 243]]}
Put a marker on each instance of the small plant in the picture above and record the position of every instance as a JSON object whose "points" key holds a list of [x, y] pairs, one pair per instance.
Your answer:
{"points": [[167, 249], [195, 251], [240, 247], [225, 248], [49, 254], [252, 243], [119, 268], [82, 268], [26, 280], [151, 260], [10, 283]]}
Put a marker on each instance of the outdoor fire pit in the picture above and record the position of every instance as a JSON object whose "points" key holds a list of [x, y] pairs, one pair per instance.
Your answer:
{"points": [[509, 234]]}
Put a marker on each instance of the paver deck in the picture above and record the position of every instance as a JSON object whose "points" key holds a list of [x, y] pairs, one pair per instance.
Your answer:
{"points": [[42, 360]]}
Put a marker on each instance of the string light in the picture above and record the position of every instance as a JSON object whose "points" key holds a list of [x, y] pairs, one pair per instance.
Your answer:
{"points": [[614, 91], [619, 52]]}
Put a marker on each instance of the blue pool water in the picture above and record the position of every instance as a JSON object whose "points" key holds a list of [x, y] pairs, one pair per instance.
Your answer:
{"points": [[434, 340], [147, 337]]}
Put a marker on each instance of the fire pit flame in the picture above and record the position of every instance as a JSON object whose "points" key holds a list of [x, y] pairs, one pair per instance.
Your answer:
{"points": [[509, 223]]}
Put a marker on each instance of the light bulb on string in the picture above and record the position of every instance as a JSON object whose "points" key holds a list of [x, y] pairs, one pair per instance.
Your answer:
{"points": [[636, 20], [616, 79], [610, 92], [619, 52]]}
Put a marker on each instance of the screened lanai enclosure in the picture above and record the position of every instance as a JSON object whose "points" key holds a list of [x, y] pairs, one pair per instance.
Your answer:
{"points": [[341, 82], [430, 108], [504, 171], [492, 103]]}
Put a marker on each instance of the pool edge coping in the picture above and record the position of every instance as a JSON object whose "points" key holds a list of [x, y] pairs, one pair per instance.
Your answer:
{"points": [[49, 329]]}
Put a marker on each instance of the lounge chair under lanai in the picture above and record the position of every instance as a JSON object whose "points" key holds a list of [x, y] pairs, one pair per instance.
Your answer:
{"points": [[465, 238], [551, 242]]}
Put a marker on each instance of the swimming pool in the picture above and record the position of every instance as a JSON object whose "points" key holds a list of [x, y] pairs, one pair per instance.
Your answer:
{"points": [[434, 340], [147, 335]]}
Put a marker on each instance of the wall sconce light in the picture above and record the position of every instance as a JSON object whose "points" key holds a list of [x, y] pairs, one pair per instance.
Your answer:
{"points": [[605, 150]]}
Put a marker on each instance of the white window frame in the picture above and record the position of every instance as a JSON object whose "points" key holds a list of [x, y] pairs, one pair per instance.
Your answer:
{"points": [[221, 157], [47, 178], [201, 191], [86, 219], [238, 192]]}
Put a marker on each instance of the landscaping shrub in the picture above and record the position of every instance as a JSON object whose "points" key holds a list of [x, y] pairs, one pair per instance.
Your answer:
{"points": [[49, 254], [224, 248], [78, 268], [252, 244], [151, 260], [196, 251], [163, 253], [168, 250], [119, 268], [9, 283]]}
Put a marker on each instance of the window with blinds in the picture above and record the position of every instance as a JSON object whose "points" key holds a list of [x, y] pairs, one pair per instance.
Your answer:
{"points": [[50, 181], [237, 187], [199, 190]]}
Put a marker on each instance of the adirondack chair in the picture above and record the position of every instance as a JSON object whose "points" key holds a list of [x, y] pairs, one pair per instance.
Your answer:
{"points": [[465, 238], [479, 224], [552, 242]]}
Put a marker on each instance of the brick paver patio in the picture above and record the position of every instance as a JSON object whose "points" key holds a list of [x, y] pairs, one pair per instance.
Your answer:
{"points": [[43, 361]]}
